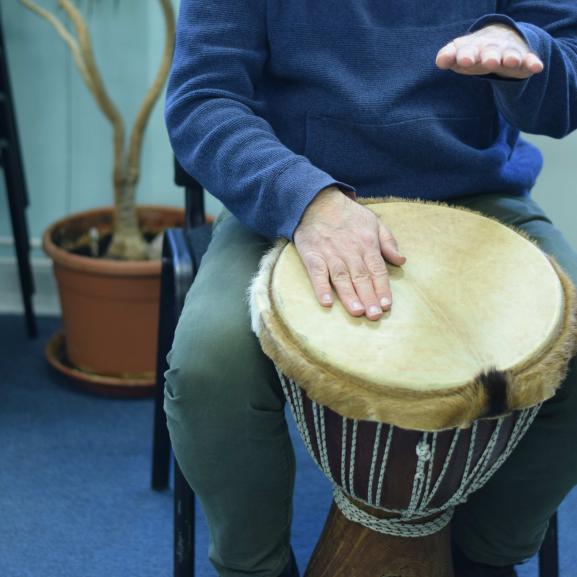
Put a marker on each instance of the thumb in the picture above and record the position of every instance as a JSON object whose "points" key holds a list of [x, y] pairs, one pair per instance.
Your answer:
{"points": [[389, 247]]}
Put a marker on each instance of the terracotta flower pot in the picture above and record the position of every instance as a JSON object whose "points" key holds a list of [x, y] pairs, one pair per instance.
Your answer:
{"points": [[109, 307]]}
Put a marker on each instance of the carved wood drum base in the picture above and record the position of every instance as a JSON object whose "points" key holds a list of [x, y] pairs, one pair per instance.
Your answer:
{"points": [[347, 549]]}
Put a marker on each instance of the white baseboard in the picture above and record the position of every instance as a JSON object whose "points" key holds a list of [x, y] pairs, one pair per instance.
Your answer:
{"points": [[45, 299]]}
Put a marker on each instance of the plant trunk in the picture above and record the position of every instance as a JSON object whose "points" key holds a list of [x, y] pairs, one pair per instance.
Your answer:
{"points": [[127, 240]]}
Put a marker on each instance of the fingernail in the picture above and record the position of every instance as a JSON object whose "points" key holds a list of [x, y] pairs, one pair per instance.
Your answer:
{"points": [[326, 299], [385, 302], [356, 306], [374, 311]]}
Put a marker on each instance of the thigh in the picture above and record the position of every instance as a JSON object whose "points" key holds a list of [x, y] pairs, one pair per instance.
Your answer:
{"points": [[213, 343], [224, 407]]}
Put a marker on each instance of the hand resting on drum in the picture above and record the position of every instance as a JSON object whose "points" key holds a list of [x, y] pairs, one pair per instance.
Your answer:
{"points": [[344, 244]]}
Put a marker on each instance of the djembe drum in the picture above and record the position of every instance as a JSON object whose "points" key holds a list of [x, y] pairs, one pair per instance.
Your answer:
{"points": [[409, 415]]}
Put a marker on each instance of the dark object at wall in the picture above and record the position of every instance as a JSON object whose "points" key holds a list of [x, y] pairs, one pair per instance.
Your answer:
{"points": [[11, 162]]}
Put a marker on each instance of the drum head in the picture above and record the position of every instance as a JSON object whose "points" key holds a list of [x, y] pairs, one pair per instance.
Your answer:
{"points": [[474, 297]]}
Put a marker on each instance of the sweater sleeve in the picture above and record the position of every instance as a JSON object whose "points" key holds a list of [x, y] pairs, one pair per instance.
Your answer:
{"points": [[214, 128], [545, 103]]}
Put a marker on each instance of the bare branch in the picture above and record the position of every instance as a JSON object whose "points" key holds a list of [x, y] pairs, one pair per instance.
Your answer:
{"points": [[63, 33], [99, 91], [136, 137], [102, 98]]}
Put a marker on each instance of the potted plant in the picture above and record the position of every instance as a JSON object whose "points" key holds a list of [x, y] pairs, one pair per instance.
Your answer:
{"points": [[106, 260]]}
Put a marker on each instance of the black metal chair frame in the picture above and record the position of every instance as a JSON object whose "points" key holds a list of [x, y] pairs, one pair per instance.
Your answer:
{"points": [[179, 268], [181, 255], [12, 165], [182, 252]]}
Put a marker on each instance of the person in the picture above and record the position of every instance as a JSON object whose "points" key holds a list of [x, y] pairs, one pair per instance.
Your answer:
{"points": [[289, 111]]}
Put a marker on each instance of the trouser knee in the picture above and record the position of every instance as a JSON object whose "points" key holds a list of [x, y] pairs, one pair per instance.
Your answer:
{"points": [[217, 373]]}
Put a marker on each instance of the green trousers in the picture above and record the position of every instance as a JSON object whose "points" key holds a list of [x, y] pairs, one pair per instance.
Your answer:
{"points": [[224, 407]]}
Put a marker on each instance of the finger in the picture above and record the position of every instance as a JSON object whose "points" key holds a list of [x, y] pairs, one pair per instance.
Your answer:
{"points": [[380, 277], [533, 63], [341, 280], [389, 247], [491, 56], [446, 56], [467, 55], [363, 283], [319, 275], [512, 58]]}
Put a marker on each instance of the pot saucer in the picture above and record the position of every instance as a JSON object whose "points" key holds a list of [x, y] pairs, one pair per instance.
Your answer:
{"points": [[119, 386]]}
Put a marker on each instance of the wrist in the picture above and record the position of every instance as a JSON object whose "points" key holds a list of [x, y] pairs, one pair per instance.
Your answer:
{"points": [[328, 196], [325, 200], [329, 192]]}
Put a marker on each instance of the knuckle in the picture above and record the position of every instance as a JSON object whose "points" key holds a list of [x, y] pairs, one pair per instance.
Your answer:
{"points": [[377, 266], [317, 267], [492, 47], [387, 235], [367, 237], [361, 277], [308, 254], [379, 272], [339, 273]]}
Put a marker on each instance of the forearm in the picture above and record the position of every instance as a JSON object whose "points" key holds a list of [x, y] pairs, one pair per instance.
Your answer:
{"points": [[236, 156], [545, 103], [213, 121]]}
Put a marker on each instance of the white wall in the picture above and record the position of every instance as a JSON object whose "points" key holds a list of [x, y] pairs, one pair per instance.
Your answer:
{"points": [[556, 188]]}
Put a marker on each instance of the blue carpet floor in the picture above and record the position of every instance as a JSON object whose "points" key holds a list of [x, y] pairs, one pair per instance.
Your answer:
{"points": [[75, 472]]}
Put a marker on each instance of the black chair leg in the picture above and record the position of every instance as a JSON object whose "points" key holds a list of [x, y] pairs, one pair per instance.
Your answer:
{"points": [[161, 444], [11, 161], [549, 553], [184, 525], [161, 441], [17, 205]]}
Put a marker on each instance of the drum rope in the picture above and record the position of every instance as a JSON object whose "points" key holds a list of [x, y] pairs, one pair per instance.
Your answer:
{"points": [[329, 473], [471, 451], [297, 409], [374, 462], [320, 441], [343, 450], [398, 527], [423, 461], [518, 430], [468, 480], [426, 493], [407, 523], [523, 423], [445, 468], [353, 457], [384, 465]]}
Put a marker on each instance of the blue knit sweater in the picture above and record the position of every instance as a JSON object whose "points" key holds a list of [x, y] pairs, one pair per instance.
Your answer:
{"points": [[269, 101]]}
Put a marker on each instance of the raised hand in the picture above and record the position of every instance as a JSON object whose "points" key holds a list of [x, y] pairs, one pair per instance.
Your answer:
{"points": [[496, 49], [343, 244]]}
